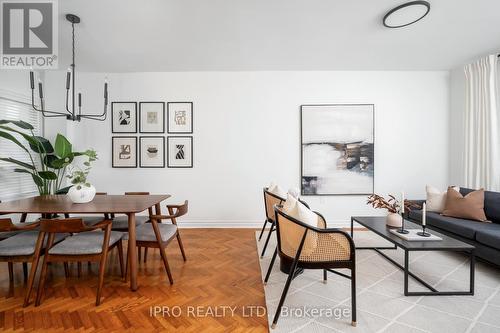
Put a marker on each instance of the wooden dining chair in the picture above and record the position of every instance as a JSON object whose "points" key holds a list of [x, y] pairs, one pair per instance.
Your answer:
{"points": [[302, 246], [270, 199], [86, 244], [22, 247], [159, 235]]}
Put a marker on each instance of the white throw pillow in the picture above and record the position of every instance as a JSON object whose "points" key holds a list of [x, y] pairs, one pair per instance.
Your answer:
{"points": [[277, 190], [435, 199], [294, 192], [297, 210]]}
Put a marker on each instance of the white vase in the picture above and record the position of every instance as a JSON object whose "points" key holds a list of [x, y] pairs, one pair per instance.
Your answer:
{"points": [[80, 193], [394, 220]]}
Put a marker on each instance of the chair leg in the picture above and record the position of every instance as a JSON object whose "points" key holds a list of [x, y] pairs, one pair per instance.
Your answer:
{"points": [[267, 240], [353, 295], [165, 263], [181, 246], [11, 272], [145, 254], [325, 275], [291, 274], [271, 265], [41, 283], [34, 267], [139, 254], [262, 231], [79, 268], [25, 271], [125, 278], [102, 267], [66, 270], [120, 257]]}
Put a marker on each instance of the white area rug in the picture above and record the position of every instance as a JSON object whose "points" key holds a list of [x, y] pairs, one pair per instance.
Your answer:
{"points": [[382, 306]]}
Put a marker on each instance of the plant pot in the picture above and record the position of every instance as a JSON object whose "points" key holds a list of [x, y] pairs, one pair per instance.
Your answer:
{"points": [[394, 220], [80, 193]]}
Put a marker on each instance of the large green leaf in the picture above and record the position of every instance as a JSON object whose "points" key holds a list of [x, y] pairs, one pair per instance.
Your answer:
{"points": [[38, 181], [18, 123], [63, 190], [62, 146], [22, 170], [23, 164], [49, 175], [31, 139], [42, 145], [10, 137]]}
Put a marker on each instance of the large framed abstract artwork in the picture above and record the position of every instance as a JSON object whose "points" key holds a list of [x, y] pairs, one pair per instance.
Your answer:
{"points": [[337, 149]]}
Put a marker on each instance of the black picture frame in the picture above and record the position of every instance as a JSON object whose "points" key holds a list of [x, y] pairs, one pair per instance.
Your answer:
{"points": [[302, 154], [192, 152], [113, 130], [169, 131], [113, 152], [140, 118], [140, 151]]}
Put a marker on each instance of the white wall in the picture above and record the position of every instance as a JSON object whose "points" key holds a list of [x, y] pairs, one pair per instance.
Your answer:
{"points": [[457, 126], [246, 133]]}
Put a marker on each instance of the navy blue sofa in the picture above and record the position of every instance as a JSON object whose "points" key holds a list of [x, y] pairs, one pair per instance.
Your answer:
{"points": [[484, 236]]}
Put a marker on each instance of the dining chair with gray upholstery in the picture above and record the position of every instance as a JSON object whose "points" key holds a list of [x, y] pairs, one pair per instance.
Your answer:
{"points": [[158, 235], [87, 243]]}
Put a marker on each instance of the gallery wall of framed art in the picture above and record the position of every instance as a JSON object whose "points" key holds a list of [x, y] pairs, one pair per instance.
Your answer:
{"points": [[151, 150], [337, 149]]}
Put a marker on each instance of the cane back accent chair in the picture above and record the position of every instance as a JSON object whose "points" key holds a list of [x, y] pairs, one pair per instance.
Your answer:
{"points": [[301, 246], [270, 199], [86, 244]]}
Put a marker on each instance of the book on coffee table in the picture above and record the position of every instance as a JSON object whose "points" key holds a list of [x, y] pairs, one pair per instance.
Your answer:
{"points": [[412, 235]]}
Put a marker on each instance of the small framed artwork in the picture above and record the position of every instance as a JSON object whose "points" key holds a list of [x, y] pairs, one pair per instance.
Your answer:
{"points": [[180, 117], [152, 117], [124, 151], [152, 151], [180, 151], [124, 117]]}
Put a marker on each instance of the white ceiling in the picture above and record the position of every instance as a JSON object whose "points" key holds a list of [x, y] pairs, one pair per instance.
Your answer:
{"points": [[234, 35]]}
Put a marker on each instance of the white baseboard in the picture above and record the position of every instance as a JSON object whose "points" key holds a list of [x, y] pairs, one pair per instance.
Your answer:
{"points": [[253, 224]]}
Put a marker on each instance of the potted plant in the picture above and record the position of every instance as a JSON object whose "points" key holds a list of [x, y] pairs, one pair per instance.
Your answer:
{"points": [[82, 191], [45, 162], [393, 207]]}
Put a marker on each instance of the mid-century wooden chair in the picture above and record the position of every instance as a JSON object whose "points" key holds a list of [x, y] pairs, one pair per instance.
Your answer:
{"points": [[22, 248], [159, 235], [270, 200], [86, 244], [301, 246]]}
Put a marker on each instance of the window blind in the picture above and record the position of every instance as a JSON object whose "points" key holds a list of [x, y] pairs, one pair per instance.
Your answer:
{"points": [[15, 185]]}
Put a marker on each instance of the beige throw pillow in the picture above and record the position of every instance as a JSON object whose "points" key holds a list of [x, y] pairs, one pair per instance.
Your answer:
{"points": [[435, 199], [469, 207]]}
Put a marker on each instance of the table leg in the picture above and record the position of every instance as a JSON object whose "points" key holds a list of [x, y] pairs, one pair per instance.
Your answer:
{"points": [[158, 209], [132, 253]]}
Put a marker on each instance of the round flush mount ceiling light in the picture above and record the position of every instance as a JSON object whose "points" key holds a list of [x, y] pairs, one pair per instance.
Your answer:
{"points": [[406, 14]]}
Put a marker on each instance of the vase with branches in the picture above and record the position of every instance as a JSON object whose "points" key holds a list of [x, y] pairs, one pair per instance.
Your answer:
{"points": [[393, 207], [82, 191]]}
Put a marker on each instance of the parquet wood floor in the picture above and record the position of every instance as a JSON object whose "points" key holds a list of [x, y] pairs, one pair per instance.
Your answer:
{"points": [[222, 271]]}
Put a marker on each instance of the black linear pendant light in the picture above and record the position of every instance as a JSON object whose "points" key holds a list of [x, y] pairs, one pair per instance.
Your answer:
{"points": [[70, 113]]}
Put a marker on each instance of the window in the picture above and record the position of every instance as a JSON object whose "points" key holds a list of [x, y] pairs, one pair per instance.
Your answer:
{"points": [[15, 185]]}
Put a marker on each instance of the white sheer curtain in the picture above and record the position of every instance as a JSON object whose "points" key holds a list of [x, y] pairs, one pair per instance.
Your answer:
{"points": [[482, 120]]}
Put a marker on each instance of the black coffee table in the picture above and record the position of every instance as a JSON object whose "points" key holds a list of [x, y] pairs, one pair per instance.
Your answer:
{"points": [[378, 226]]}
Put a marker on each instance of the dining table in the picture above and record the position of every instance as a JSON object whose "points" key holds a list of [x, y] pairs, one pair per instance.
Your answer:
{"points": [[129, 205]]}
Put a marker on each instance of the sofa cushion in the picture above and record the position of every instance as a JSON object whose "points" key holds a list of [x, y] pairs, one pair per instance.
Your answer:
{"points": [[491, 204], [460, 227], [489, 237]]}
